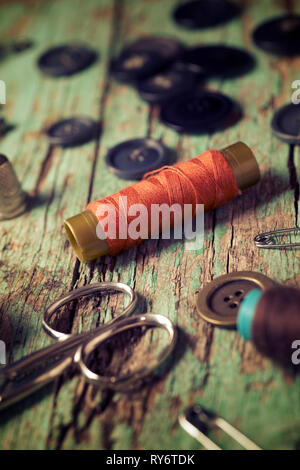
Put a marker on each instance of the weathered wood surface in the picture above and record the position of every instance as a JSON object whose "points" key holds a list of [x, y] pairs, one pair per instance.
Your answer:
{"points": [[211, 366]]}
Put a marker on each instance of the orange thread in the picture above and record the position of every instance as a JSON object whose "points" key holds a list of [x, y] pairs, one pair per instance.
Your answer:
{"points": [[207, 179]]}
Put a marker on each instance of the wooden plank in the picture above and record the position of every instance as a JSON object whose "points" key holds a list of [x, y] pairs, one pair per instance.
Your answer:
{"points": [[210, 365], [38, 238]]}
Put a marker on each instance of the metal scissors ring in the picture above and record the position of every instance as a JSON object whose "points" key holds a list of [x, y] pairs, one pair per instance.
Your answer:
{"points": [[26, 375], [81, 292], [114, 382]]}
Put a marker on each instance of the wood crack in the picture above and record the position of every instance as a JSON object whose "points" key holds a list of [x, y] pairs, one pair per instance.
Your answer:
{"points": [[152, 116], [230, 247], [214, 217], [294, 183], [45, 168]]}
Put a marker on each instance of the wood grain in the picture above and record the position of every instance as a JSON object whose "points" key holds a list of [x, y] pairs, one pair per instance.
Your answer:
{"points": [[212, 366]]}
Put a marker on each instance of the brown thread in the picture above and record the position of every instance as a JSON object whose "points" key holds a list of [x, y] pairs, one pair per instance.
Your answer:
{"points": [[276, 323]]}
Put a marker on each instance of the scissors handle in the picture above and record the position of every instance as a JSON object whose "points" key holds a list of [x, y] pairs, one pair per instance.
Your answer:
{"points": [[76, 351], [41, 367], [99, 287], [124, 382]]}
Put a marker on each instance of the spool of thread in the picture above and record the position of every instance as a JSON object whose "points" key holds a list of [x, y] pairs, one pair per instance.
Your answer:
{"points": [[213, 178], [271, 319]]}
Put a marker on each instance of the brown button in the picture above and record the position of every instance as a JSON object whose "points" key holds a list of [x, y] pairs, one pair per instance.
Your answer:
{"points": [[218, 302]]}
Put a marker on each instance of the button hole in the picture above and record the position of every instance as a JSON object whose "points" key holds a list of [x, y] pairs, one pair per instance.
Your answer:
{"points": [[233, 305], [239, 293]]}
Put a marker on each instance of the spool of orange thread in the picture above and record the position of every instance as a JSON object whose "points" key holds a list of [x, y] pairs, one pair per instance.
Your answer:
{"points": [[213, 178]]}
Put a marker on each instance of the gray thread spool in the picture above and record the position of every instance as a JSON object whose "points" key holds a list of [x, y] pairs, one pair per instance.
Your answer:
{"points": [[13, 200]]}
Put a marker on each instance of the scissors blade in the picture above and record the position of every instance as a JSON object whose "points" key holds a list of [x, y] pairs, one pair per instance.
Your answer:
{"points": [[14, 391], [36, 370], [50, 353]]}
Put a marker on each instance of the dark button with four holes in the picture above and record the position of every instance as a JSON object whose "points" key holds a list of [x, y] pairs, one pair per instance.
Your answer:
{"points": [[200, 112], [205, 13], [166, 47], [166, 84], [286, 124], [218, 302], [72, 132], [66, 60], [217, 60], [133, 65], [133, 158], [279, 36]]}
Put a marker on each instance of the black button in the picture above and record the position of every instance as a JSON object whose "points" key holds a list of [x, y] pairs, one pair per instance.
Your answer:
{"points": [[286, 124], [168, 48], [5, 127], [72, 132], [20, 46], [66, 60], [217, 60], [279, 36], [131, 66], [14, 47], [218, 302], [133, 158], [167, 84], [205, 13], [199, 112]]}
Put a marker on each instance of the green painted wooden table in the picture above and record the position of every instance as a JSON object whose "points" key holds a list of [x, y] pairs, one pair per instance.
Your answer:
{"points": [[211, 366]]}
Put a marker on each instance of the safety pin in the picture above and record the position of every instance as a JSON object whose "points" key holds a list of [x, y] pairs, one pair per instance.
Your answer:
{"points": [[197, 421], [277, 239]]}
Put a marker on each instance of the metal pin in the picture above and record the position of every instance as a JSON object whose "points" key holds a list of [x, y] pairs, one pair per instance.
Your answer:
{"points": [[13, 200], [197, 421], [278, 239]]}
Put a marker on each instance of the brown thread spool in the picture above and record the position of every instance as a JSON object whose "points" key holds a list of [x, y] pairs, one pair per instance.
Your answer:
{"points": [[271, 319], [276, 323]]}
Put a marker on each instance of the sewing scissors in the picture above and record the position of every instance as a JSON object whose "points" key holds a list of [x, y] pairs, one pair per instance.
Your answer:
{"points": [[27, 376]]}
